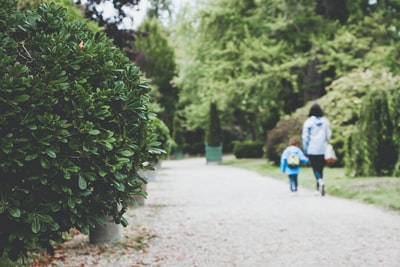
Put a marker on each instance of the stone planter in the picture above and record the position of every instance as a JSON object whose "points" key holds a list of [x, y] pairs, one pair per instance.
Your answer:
{"points": [[110, 232]]}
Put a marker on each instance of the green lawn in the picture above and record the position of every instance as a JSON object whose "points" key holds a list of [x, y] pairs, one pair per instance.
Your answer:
{"points": [[380, 191]]}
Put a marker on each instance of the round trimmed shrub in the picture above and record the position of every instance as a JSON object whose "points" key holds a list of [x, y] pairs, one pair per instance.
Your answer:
{"points": [[74, 128]]}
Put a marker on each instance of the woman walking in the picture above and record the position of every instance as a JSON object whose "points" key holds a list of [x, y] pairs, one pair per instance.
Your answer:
{"points": [[315, 136]]}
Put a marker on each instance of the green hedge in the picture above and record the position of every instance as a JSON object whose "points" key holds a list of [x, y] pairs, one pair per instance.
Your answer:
{"points": [[248, 149]]}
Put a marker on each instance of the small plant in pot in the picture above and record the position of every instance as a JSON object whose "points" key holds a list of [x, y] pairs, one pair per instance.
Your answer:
{"points": [[213, 136]]}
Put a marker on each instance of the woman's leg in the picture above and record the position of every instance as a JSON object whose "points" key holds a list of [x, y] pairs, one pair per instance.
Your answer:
{"points": [[317, 164]]}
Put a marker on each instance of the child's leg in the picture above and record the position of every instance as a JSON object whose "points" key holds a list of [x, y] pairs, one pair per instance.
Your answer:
{"points": [[293, 182]]}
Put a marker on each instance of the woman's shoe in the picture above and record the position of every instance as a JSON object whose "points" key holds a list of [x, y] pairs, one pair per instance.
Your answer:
{"points": [[322, 190]]}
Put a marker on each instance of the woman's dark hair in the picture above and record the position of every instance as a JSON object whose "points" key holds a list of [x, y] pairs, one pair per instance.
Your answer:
{"points": [[316, 111]]}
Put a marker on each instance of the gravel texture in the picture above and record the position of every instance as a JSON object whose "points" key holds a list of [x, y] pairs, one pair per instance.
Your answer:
{"points": [[216, 216]]}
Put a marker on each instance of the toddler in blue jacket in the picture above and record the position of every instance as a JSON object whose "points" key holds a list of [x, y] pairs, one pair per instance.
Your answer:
{"points": [[291, 159]]}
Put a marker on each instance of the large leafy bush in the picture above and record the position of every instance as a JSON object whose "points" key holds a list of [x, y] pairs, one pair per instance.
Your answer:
{"points": [[372, 150], [278, 137], [395, 111], [74, 128]]}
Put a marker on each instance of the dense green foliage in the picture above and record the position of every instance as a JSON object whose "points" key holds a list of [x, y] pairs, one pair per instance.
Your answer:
{"points": [[262, 60], [248, 149], [74, 11], [395, 111], [214, 133], [74, 128], [372, 150]]}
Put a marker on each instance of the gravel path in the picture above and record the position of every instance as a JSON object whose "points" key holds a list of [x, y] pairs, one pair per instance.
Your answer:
{"points": [[221, 216]]}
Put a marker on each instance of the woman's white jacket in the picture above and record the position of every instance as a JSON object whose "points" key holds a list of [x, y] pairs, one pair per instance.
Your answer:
{"points": [[315, 135]]}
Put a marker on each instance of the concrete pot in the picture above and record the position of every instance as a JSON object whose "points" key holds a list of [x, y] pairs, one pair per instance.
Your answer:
{"points": [[108, 233]]}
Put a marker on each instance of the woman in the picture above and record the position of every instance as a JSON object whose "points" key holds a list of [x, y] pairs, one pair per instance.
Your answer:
{"points": [[315, 136]]}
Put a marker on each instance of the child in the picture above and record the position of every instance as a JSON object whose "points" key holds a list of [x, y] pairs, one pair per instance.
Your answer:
{"points": [[291, 158]]}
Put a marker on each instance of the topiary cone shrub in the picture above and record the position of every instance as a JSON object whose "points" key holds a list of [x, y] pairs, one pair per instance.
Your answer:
{"points": [[74, 128], [213, 136], [213, 133]]}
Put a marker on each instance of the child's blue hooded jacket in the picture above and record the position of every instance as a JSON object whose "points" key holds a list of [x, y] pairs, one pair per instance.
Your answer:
{"points": [[289, 151]]}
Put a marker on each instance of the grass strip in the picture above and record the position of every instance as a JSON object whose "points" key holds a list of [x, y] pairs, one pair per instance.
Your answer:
{"points": [[380, 191]]}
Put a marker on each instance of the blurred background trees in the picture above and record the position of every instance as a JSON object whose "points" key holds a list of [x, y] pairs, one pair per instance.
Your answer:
{"points": [[262, 62]]}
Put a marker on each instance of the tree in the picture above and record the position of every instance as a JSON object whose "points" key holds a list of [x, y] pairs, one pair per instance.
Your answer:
{"points": [[178, 137], [241, 61], [158, 8], [395, 114], [156, 59], [74, 128], [121, 7], [113, 21], [376, 153]]}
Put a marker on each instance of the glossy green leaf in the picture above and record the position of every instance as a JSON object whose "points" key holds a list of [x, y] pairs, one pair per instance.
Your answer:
{"points": [[127, 153], [31, 157], [94, 132], [119, 186], [82, 182], [45, 163], [35, 226], [22, 98], [15, 212], [51, 153]]}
